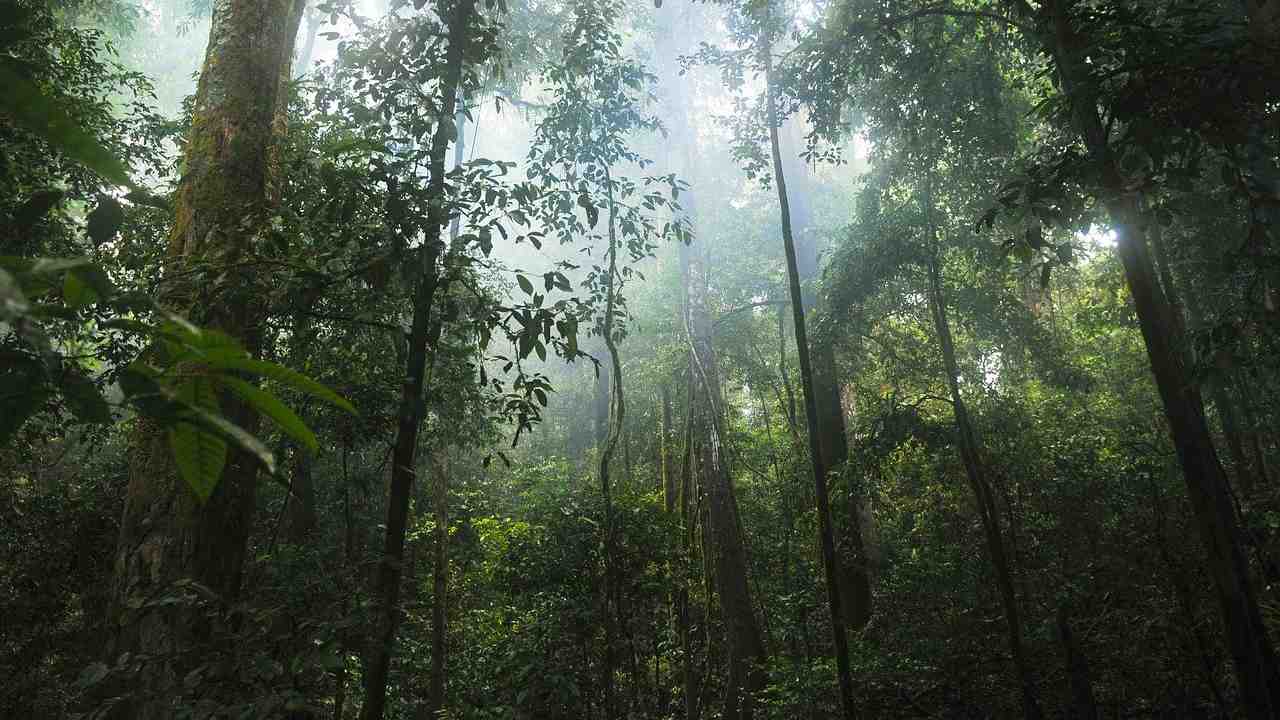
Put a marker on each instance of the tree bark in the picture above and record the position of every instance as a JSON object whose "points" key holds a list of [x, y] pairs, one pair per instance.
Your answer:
{"points": [[439, 587], [165, 534], [854, 576], [613, 429], [825, 539], [1083, 704], [668, 480], [387, 586]]}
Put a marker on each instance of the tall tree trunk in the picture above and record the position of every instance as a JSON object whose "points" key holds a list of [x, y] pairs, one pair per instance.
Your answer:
{"points": [[744, 644], [688, 678], [439, 586], [613, 429], [300, 505], [825, 539], [387, 586], [1083, 704], [602, 400], [1217, 386], [165, 534], [1251, 648], [667, 480], [988, 512], [314, 19], [854, 576]]}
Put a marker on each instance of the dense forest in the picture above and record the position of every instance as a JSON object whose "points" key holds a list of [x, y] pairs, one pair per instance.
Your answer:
{"points": [[639, 359]]}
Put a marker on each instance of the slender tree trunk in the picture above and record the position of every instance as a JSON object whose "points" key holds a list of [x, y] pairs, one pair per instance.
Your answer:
{"points": [[387, 587], [439, 587], [348, 556], [1083, 704], [825, 539], [668, 479], [602, 400], [1251, 648], [314, 19], [988, 511], [613, 428], [688, 677], [165, 534], [855, 582], [300, 505]]}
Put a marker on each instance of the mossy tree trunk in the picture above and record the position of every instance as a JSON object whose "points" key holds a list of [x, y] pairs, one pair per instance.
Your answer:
{"points": [[743, 641], [210, 275]]}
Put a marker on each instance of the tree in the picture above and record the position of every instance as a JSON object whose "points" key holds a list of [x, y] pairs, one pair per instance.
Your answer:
{"points": [[427, 281], [167, 533]]}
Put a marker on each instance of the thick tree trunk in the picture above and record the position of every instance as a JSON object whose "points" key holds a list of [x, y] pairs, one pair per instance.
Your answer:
{"points": [[1206, 482], [825, 538], [165, 534], [1222, 402], [743, 640], [988, 511], [387, 586]]}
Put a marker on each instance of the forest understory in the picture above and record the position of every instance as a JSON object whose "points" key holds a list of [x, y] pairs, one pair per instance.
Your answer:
{"points": [[639, 359]]}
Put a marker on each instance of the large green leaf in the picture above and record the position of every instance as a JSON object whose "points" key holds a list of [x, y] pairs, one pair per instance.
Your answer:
{"points": [[75, 293], [283, 375], [215, 422], [24, 103], [200, 455], [199, 452], [199, 438], [269, 405]]}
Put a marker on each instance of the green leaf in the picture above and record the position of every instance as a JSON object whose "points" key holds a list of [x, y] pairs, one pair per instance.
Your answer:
{"points": [[216, 423], [75, 293], [269, 405], [284, 375], [525, 285], [23, 102], [200, 456]]}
